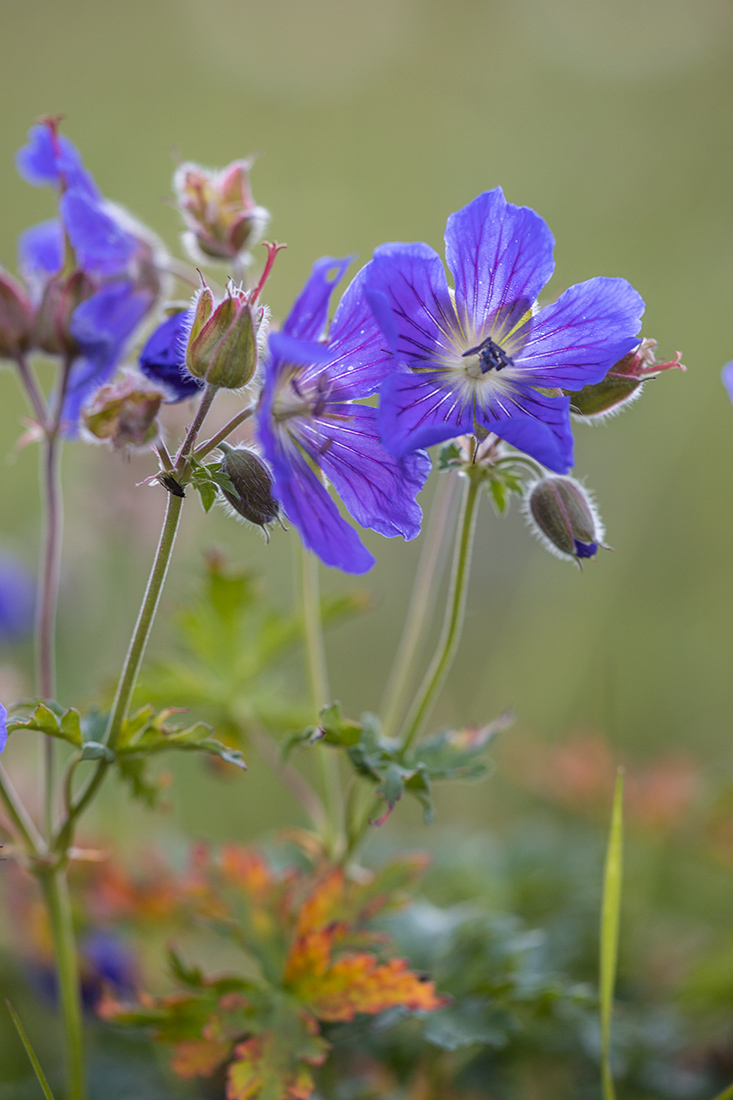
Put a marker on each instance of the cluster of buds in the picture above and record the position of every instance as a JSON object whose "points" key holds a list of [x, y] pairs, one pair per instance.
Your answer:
{"points": [[622, 384], [124, 413], [222, 219], [562, 514], [251, 481]]}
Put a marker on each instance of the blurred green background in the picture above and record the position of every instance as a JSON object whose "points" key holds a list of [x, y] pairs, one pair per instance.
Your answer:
{"points": [[373, 121]]}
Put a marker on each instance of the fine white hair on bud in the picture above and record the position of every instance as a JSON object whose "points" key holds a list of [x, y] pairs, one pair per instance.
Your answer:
{"points": [[562, 514]]}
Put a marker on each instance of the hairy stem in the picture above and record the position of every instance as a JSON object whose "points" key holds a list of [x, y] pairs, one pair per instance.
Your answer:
{"points": [[133, 660], [48, 598], [33, 390], [56, 894], [211, 444], [315, 656], [422, 603], [201, 412], [454, 612]]}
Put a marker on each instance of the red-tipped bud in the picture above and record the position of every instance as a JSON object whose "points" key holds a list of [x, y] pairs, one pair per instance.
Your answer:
{"points": [[222, 345], [564, 518], [222, 219], [252, 497], [622, 384], [16, 317], [124, 413], [61, 295]]}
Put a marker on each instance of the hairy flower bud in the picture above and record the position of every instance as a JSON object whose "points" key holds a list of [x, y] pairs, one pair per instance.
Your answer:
{"points": [[61, 295], [563, 516], [124, 413], [222, 345], [16, 317], [252, 482], [222, 219], [622, 384]]}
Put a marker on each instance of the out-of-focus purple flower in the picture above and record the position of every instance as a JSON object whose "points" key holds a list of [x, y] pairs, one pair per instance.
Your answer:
{"points": [[17, 600], [481, 358], [311, 426], [106, 963], [3, 727], [119, 259], [727, 376], [163, 358]]}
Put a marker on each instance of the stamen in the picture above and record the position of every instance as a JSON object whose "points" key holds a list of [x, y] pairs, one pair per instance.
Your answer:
{"points": [[491, 356]]}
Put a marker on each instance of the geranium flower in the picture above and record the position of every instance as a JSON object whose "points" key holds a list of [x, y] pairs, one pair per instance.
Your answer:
{"points": [[113, 282], [482, 357], [311, 426]]}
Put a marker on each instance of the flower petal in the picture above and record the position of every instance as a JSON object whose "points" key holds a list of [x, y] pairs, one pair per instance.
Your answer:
{"points": [[378, 489], [577, 340], [537, 439], [41, 250], [416, 411], [102, 326], [163, 358], [3, 727], [500, 256], [100, 242], [727, 377], [308, 506], [307, 319], [50, 158], [407, 290], [359, 356]]}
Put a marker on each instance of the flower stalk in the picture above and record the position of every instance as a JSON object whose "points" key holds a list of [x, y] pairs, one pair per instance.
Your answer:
{"points": [[454, 612]]}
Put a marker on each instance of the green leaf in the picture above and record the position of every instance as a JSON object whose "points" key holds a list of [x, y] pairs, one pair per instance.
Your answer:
{"points": [[469, 1022], [457, 754], [40, 1075], [146, 733], [208, 493], [610, 916], [449, 457], [726, 1094], [64, 724], [95, 750]]}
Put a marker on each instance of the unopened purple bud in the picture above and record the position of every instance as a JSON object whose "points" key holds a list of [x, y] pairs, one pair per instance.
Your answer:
{"points": [[252, 481], [622, 384], [16, 317], [222, 345], [563, 516], [61, 296]]}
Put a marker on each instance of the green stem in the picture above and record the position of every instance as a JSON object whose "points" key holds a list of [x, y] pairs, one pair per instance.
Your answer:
{"points": [[133, 660], [19, 816], [56, 893], [48, 598], [454, 612], [195, 427], [315, 656], [221, 435], [422, 602]]}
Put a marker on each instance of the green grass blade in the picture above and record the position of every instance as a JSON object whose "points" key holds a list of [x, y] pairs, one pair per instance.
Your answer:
{"points": [[727, 1094], [30, 1052], [610, 915]]}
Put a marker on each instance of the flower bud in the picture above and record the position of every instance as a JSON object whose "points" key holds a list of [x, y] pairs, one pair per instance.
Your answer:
{"points": [[61, 295], [622, 384], [222, 219], [562, 515], [252, 482], [222, 344], [16, 317], [124, 413]]}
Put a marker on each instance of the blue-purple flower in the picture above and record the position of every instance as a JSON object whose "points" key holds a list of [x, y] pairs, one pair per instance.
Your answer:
{"points": [[312, 426], [482, 357], [163, 358], [94, 272]]}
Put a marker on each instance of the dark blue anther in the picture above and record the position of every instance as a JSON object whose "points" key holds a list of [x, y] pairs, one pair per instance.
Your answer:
{"points": [[491, 356]]}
